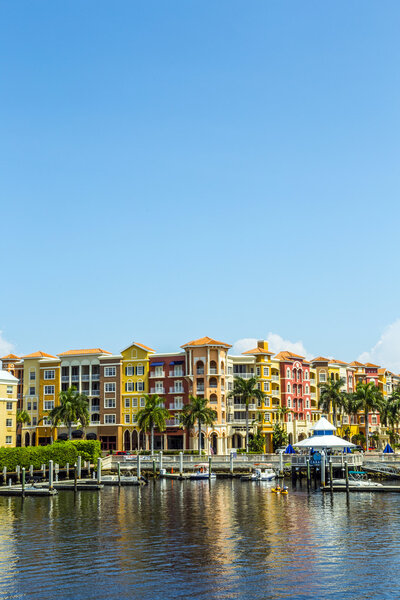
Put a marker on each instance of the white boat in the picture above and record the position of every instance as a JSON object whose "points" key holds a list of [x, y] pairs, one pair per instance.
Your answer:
{"points": [[202, 472], [357, 479], [262, 475], [114, 479]]}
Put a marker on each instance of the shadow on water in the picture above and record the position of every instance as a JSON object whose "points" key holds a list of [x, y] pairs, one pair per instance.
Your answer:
{"points": [[202, 539]]}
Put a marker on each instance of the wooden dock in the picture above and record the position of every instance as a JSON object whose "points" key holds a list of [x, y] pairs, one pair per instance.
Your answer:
{"points": [[366, 488], [16, 490], [82, 485]]}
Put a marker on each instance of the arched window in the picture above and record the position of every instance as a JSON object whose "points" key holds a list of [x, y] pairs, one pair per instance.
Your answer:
{"points": [[289, 403], [288, 388], [200, 367], [288, 373], [214, 398], [213, 382], [213, 367]]}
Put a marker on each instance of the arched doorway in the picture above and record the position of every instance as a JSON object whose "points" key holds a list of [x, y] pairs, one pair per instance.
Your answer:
{"points": [[236, 441], [203, 440], [27, 439], [213, 443], [127, 440], [134, 440], [34, 439], [290, 438], [302, 436], [142, 441]]}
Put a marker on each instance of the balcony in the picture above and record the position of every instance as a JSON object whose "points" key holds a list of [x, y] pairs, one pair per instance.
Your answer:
{"points": [[244, 375], [95, 392], [159, 375], [95, 408], [65, 378], [74, 378], [176, 407], [313, 396], [212, 371], [85, 377], [276, 392], [200, 372], [176, 390], [157, 390], [200, 389], [176, 374], [243, 407], [95, 376], [213, 385], [93, 422], [172, 422], [275, 377]]}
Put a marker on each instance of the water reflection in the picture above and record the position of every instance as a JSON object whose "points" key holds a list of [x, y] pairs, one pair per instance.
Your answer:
{"points": [[220, 539]]}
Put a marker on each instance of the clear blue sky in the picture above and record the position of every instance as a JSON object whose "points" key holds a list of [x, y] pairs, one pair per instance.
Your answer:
{"points": [[177, 169]]}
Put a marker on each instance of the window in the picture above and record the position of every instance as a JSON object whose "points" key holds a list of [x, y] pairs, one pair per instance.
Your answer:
{"points": [[140, 370], [129, 371], [9, 389], [267, 417], [109, 371], [49, 374], [127, 403], [127, 419], [289, 417], [48, 390], [109, 403], [32, 376], [374, 420], [46, 422], [142, 402], [307, 390], [308, 416], [34, 406], [307, 404], [8, 439], [322, 377], [258, 371], [266, 402], [134, 402], [109, 387], [109, 419], [178, 371], [158, 372], [288, 387], [266, 371], [9, 405], [140, 386], [48, 404], [288, 402], [32, 391], [129, 386], [266, 386], [29, 406], [305, 374], [345, 420], [8, 422], [288, 373], [34, 421]]}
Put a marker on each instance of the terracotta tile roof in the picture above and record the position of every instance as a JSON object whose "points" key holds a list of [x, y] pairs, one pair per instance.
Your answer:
{"points": [[206, 341], [84, 351], [10, 357], [286, 355], [258, 351], [338, 362], [371, 365], [143, 346], [320, 359], [356, 364], [39, 355]]}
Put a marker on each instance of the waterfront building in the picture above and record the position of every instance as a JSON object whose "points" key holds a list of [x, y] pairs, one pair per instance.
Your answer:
{"points": [[8, 408], [134, 386], [296, 394], [206, 371]]}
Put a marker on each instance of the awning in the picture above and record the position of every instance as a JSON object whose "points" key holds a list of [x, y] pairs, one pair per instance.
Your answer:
{"points": [[159, 364], [324, 441], [176, 362], [290, 450], [388, 449]]}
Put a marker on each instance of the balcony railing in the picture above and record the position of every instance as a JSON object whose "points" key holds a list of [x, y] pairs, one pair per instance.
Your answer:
{"points": [[212, 371], [200, 372], [155, 375], [95, 376], [275, 377], [65, 378], [175, 374], [74, 377], [95, 392], [243, 407], [313, 396], [176, 390], [158, 390], [85, 377], [172, 422], [200, 388], [244, 375]]}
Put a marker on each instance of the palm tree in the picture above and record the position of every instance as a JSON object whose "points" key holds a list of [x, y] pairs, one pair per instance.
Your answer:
{"points": [[332, 396], [153, 415], [247, 390], [368, 398], [198, 411], [186, 421], [23, 418], [72, 407]]}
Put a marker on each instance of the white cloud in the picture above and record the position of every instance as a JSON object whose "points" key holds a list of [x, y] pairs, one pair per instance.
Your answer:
{"points": [[276, 343], [386, 352], [5, 346]]}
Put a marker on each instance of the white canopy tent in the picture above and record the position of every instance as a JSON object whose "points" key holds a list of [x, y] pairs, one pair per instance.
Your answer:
{"points": [[324, 438]]}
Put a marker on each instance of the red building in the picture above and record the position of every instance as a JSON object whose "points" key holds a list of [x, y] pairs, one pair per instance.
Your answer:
{"points": [[295, 386]]}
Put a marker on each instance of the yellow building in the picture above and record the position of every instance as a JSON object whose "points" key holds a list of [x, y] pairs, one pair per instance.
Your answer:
{"points": [[268, 408], [134, 385], [8, 409]]}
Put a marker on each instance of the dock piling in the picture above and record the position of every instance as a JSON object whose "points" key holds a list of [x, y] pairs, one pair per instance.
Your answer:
{"points": [[138, 466], [323, 469], [308, 475], [44, 471], [281, 464], [99, 471], [160, 461], [181, 463], [209, 467], [67, 470], [79, 466], [51, 474], [31, 471], [119, 474], [18, 472], [154, 467], [346, 470], [4, 475], [23, 482], [331, 475], [231, 463], [75, 478]]}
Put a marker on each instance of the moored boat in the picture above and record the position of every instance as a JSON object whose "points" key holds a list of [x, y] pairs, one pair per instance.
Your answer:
{"points": [[202, 472]]}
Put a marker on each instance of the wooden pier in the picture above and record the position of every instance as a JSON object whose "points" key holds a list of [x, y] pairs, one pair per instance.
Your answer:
{"points": [[17, 490], [358, 488]]}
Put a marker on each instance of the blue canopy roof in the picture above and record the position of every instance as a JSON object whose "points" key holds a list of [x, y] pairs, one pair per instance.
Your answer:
{"points": [[388, 449], [157, 364], [290, 450]]}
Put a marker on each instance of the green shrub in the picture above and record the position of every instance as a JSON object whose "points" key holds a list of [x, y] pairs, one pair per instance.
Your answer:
{"points": [[37, 456], [88, 449]]}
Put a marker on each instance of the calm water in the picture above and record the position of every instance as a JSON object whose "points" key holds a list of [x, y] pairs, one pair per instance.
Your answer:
{"points": [[227, 539]]}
